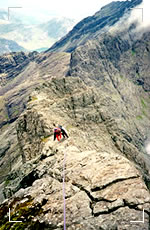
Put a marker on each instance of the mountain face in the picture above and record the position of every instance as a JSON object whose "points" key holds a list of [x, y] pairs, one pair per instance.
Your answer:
{"points": [[33, 36], [95, 25], [56, 28], [20, 74], [116, 55], [112, 64], [101, 94], [8, 46], [103, 188]]}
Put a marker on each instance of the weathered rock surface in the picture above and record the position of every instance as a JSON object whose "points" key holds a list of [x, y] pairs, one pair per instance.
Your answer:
{"points": [[109, 198], [112, 71], [116, 56], [20, 74], [103, 189]]}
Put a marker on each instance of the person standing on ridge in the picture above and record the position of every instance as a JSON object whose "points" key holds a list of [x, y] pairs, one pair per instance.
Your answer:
{"points": [[57, 133], [63, 131]]}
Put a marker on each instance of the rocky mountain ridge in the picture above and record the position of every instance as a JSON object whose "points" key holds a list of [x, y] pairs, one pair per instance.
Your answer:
{"points": [[93, 26], [100, 94], [108, 199], [25, 73], [20, 73]]}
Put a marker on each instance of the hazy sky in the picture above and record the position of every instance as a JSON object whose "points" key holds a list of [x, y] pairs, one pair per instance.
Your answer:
{"points": [[77, 9]]}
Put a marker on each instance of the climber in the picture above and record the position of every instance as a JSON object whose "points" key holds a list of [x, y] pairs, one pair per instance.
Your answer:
{"points": [[57, 133], [63, 131]]}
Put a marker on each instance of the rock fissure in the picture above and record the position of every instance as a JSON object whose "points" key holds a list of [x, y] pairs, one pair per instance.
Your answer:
{"points": [[106, 212], [109, 211], [135, 206], [90, 196], [112, 182], [115, 206]]}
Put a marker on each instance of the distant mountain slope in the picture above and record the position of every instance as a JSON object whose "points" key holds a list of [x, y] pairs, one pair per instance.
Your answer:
{"points": [[56, 28], [3, 14], [94, 25], [7, 46], [33, 36]]}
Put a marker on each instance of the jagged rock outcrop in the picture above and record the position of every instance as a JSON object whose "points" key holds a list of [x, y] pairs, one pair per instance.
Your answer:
{"points": [[113, 55], [14, 95], [31, 130], [104, 190], [12, 64], [20, 74], [112, 71]]}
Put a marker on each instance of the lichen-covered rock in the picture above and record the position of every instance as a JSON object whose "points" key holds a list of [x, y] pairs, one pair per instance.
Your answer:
{"points": [[101, 189]]}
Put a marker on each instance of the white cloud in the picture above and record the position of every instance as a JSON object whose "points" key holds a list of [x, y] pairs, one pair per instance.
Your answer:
{"points": [[65, 8], [141, 14], [79, 9], [147, 148]]}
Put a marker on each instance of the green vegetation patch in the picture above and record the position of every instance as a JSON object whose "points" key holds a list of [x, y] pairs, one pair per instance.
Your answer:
{"points": [[133, 52], [6, 226], [69, 127], [139, 117], [45, 139], [7, 182], [137, 75], [22, 225], [144, 113], [144, 105], [24, 212], [32, 98]]}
